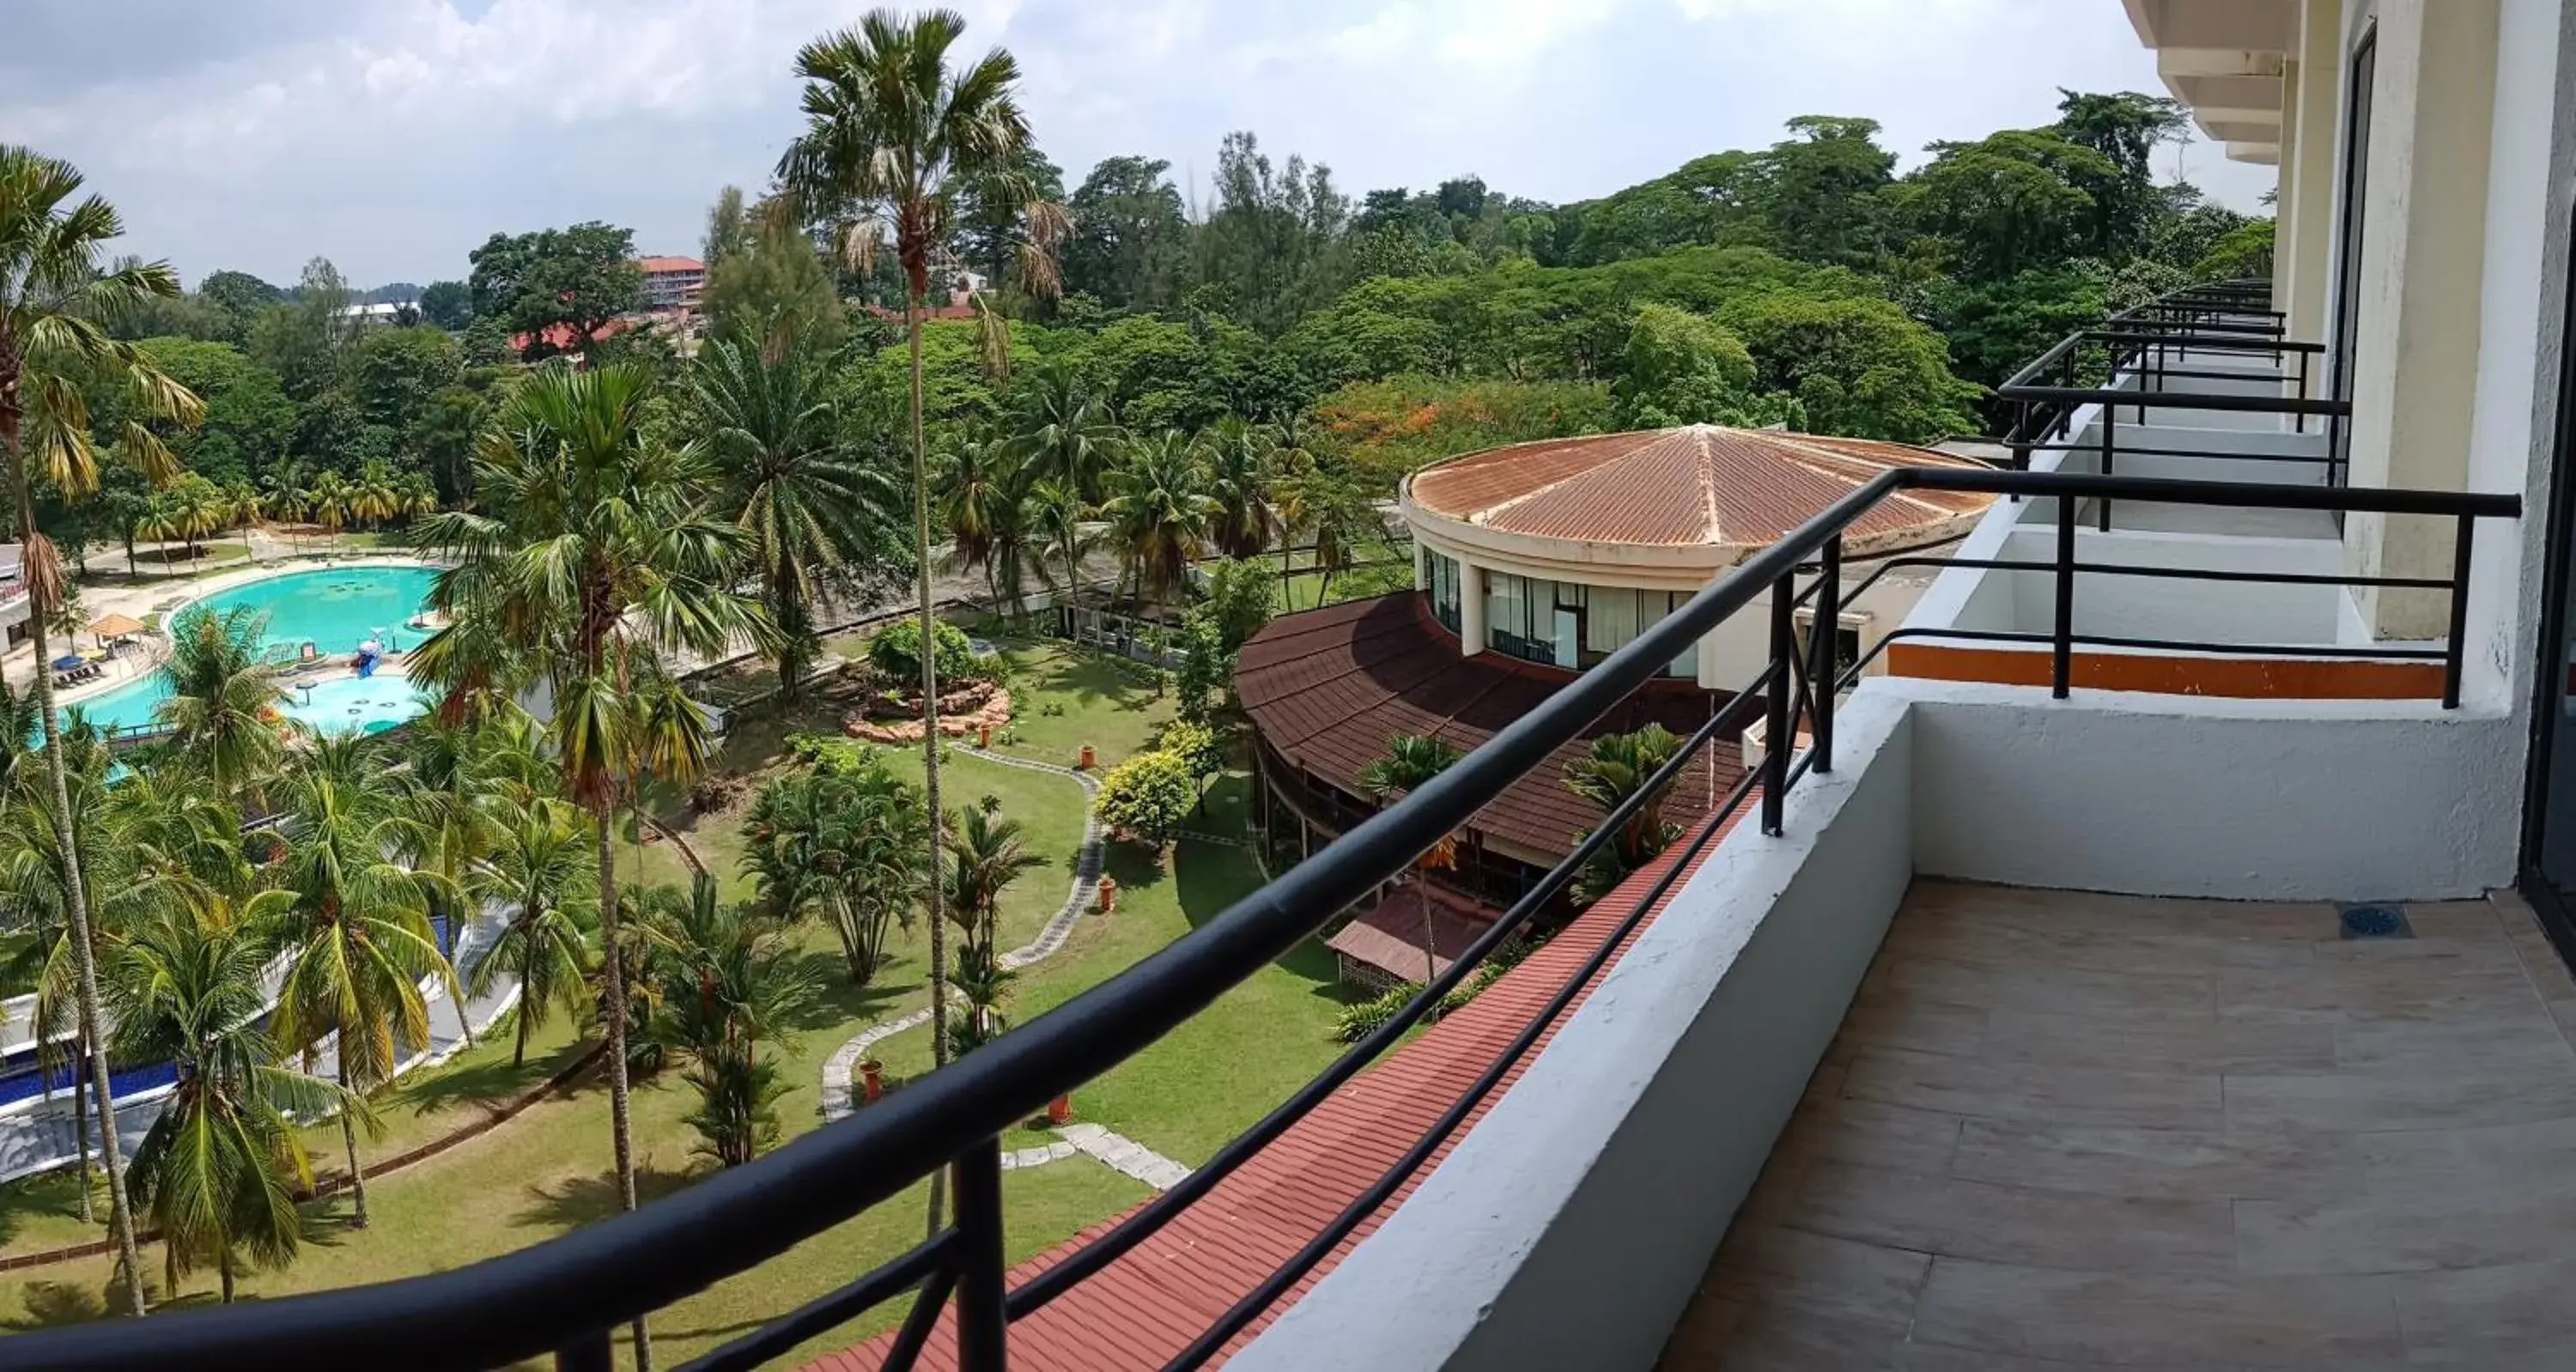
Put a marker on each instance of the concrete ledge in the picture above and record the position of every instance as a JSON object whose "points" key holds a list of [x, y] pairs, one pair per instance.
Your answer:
{"points": [[1571, 1227]]}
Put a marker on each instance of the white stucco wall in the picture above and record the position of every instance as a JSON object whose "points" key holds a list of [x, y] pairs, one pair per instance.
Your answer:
{"points": [[1571, 1226]]}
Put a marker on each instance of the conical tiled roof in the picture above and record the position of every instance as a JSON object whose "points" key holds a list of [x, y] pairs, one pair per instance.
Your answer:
{"points": [[1695, 486]]}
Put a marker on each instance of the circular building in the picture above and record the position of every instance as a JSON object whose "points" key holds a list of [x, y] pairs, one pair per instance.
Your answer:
{"points": [[1560, 552], [1532, 563]]}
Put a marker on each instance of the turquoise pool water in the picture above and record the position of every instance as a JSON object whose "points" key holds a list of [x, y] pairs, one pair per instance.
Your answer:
{"points": [[334, 611]]}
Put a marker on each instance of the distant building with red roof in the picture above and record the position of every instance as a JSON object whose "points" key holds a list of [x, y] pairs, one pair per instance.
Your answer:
{"points": [[673, 283]]}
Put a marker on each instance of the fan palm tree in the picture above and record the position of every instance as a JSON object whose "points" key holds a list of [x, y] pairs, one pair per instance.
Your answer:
{"points": [[1615, 767], [219, 1169], [539, 868], [1159, 511], [57, 298], [986, 855], [593, 556], [809, 509], [1243, 472], [353, 922], [223, 702], [1411, 760], [892, 137]]}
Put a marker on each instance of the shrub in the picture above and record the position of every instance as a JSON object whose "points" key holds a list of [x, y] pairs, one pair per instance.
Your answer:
{"points": [[1149, 795], [895, 651], [1195, 745], [1367, 1017]]}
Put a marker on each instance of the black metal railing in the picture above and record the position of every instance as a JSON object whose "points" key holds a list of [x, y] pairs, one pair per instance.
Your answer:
{"points": [[2132, 362], [566, 1297]]}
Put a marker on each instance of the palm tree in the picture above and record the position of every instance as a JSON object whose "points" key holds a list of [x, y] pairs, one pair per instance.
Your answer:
{"points": [[540, 869], [219, 1169], [1068, 433], [1056, 513], [987, 856], [809, 509], [326, 501], [1411, 760], [1614, 768], [57, 297], [377, 494], [892, 137], [593, 557], [353, 922], [729, 982], [1243, 473], [223, 702], [285, 493], [972, 475], [1159, 510], [847, 842], [1344, 519]]}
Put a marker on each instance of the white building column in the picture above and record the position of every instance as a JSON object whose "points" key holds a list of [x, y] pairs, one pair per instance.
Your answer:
{"points": [[2309, 173], [1471, 608], [2422, 267], [2285, 206], [1421, 567]]}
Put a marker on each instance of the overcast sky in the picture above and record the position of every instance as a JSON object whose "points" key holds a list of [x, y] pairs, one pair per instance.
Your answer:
{"points": [[395, 135]]}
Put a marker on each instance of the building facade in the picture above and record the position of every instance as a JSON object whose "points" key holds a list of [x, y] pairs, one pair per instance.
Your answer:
{"points": [[673, 283]]}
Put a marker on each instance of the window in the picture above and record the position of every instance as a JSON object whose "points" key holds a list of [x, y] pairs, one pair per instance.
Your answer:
{"points": [[1444, 591], [1847, 637]]}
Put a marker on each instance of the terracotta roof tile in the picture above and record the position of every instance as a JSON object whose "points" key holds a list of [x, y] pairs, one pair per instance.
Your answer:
{"points": [[1141, 1310], [1699, 485]]}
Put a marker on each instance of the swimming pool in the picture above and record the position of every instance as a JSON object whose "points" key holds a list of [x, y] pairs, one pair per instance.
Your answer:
{"points": [[333, 610]]}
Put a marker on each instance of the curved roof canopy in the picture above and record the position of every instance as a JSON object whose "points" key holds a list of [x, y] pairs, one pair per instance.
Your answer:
{"points": [[1697, 486]]}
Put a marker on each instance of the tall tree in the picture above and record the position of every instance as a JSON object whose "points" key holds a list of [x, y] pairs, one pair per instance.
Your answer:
{"points": [[556, 286], [591, 557], [817, 520], [893, 136], [447, 305], [352, 919], [224, 698], [1159, 512], [1824, 190], [1129, 247], [1243, 470], [1064, 428], [57, 297], [1270, 245], [993, 229], [772, 290], [539, 868]]}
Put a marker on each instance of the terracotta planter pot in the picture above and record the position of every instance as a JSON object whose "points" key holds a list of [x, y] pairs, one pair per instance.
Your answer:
{"points": [[1087, 759], [1060, 1111], [1108, 894], [872, 1080]]}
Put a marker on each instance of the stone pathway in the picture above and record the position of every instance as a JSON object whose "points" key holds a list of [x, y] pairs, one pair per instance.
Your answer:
{"points": [[1121, 1153], [840, 1067]]}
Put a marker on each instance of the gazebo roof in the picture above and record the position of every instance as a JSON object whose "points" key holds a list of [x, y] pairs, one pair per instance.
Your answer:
{"points": [[1699, 485]]}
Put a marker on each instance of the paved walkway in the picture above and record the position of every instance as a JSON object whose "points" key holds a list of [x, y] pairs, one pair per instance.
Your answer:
{"points": [[1119, 1152], [42, 1136], [836, 1102]]}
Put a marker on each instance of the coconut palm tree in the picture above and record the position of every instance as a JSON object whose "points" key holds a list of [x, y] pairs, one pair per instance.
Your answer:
{"points": [[1345, 522], [1411, 760], [1243, 473], [58, 296], [1056, 513], [540, 869], [986, 855], [222, 710], [1068, 433], [353, 922], [892, 137], [377, 494], [326, 501], [285, 494], [1159, 511], [810, 510], [1615, 767], [592, 557], [219, 1170]]}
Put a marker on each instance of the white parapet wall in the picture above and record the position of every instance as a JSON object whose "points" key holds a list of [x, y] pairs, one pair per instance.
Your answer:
{"points": [[1571, 1226]]}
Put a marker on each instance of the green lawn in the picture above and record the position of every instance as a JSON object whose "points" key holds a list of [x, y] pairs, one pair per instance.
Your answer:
{"points": [[547, 1170]]}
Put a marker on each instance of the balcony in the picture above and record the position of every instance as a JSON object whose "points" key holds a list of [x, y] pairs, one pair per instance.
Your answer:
{"points": [[2098, 1130], [1845, 1078]]}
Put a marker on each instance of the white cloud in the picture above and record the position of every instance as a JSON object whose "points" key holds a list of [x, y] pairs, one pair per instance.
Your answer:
{"points": [[395, 135]]}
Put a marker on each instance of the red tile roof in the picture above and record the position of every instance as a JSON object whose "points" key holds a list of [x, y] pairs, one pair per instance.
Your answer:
{"points": [[1327, 689], [1700, 485], [1141, 1310], [656, 266], [560, 336], [1388, 935]]}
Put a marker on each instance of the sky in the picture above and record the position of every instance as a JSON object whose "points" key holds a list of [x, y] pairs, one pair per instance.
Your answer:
{"points": [[394, 136]]}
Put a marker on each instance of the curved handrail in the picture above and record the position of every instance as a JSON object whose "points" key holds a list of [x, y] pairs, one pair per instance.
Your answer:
{"points": [[526, 1303]]}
